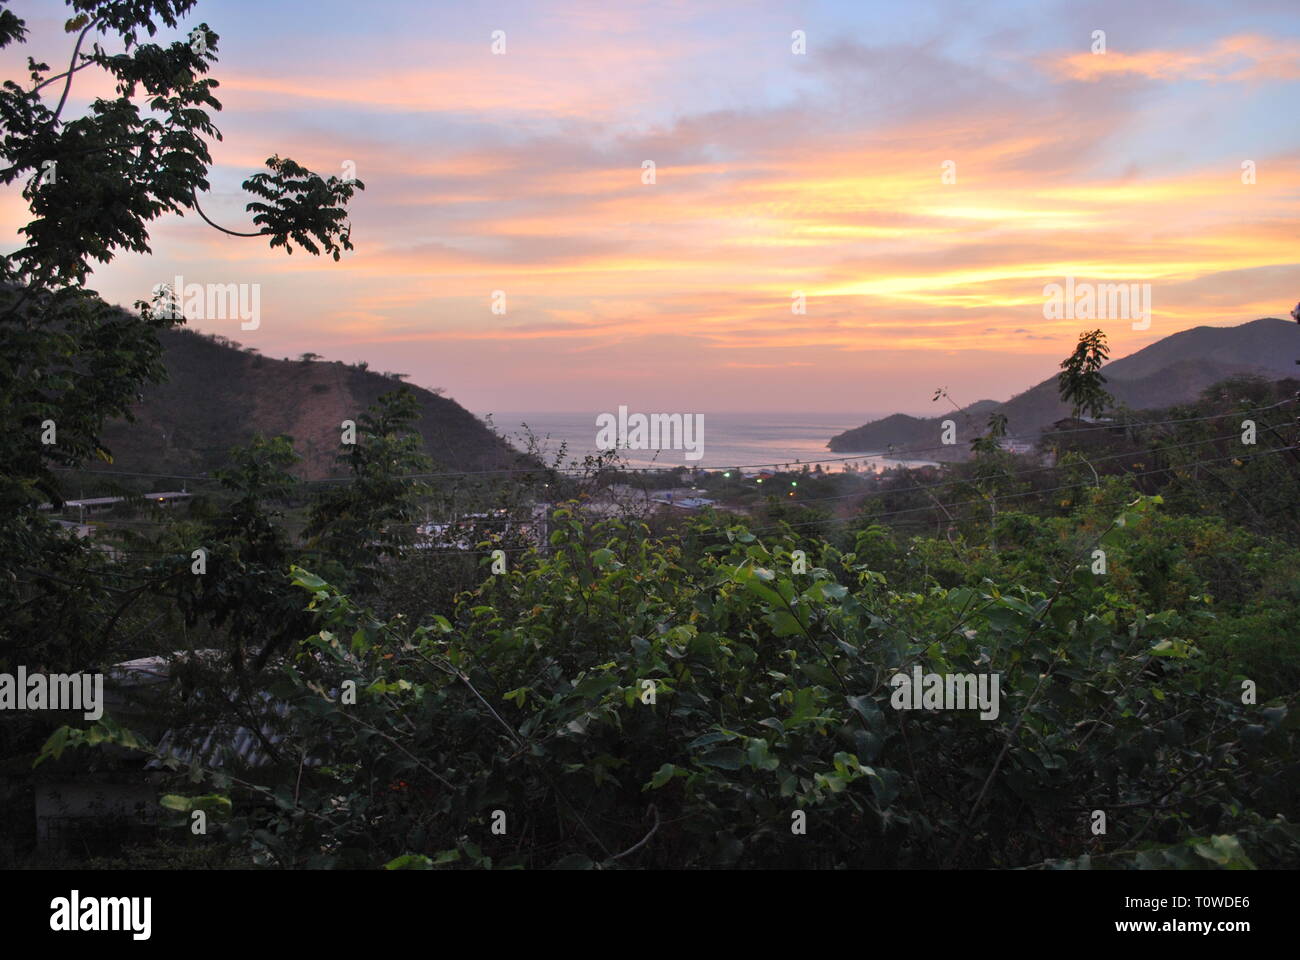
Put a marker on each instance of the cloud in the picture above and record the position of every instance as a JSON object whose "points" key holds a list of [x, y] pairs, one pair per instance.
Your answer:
{"points": [[775, 175], [1242, 58]]}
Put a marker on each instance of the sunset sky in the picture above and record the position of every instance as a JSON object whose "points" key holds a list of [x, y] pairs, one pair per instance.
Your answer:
{"points": [[775, 173]]}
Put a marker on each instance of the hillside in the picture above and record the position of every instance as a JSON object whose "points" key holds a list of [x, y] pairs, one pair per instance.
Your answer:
{"points": [[1170, 371], [218, 396]]}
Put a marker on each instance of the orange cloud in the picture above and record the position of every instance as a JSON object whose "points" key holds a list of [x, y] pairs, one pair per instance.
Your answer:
{"points": [[1237, 59]]}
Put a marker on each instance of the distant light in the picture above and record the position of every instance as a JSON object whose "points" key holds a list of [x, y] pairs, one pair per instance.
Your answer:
{"points": [[760, 479], [726, 474], [794, 483]]}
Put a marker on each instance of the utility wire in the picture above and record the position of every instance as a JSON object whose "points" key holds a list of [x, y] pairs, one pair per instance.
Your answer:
{"points": [[872, 518], [872, 494], [1024, 493], [576, 473]]}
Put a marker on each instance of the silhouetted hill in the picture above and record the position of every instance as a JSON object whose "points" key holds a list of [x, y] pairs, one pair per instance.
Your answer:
{"points": [[1268, 345], [219, 396], [981, 406], [1170, 371]]}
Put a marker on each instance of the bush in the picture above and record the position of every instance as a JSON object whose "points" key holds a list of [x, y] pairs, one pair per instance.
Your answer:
{"points": [[631, 702]]}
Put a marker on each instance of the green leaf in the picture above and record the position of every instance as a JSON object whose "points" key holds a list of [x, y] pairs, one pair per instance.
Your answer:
{"points": [[758, 756], [866, 708], [727, 758], [212, 803], [834, 591], [783, 624], [662, 776], [819, 673], [1225, 851], [705, 739], [595, 686], [751, 579], [55, 745], [310, 581], [833, 781], [412, 861]]}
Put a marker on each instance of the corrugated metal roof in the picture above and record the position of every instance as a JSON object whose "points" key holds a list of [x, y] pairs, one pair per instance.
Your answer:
{"points": [[212, 745], [223, 744]]}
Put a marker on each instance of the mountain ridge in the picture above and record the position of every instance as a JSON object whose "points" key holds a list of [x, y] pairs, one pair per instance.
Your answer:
{"points": [[1173, 370], [218, 396]]}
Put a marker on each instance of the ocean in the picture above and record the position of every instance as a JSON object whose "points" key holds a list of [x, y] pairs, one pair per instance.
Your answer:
{"points": [[730, 439]]}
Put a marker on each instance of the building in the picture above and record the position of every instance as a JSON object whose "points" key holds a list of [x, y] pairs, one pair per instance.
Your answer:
{"points": [[685, 503], [1011, 445], [94, 505], [97, 810], [79, 530]]}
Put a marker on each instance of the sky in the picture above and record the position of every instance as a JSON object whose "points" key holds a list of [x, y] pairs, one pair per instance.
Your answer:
{"points": [[918, 173]]}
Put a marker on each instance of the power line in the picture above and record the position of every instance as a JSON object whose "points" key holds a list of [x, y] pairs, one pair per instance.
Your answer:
{"points": [[1157, 423], [783, 526], [1023, 493], [576, 473], [1014, 475], [472, 522]]}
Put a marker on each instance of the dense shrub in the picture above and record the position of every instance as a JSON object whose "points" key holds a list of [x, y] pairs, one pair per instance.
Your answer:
{"points": [[525, 710]]}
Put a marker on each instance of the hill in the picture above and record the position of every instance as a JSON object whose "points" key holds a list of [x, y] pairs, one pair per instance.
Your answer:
{"points": [[1170, 371], [218, 396]]}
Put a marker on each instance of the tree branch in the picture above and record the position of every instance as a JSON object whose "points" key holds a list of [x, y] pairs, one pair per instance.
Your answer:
{"points": [[58, 76], [194, 196], [644, 840], [67, 86]]}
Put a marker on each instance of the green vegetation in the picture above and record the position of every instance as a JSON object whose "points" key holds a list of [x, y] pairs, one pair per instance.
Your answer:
{"points": [[771, 694], [1177, 369], [616, 688], [217, 396], [1157, 689], [1081, 379]]}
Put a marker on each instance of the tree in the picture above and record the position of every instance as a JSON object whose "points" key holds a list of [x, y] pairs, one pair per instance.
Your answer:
{"points": [[362, 521], [1244, 388], [242, 591], [1081, 381], [93, 184], [991, 441], [68, 361], [771, 692]]}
